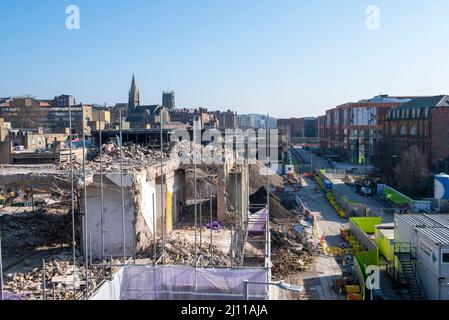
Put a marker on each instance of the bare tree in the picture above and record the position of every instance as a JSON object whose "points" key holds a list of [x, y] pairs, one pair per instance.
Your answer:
{"points": [[30, 117], [411, 173]]}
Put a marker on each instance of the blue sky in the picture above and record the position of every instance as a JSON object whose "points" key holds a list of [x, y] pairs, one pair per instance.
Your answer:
{"points": [[283, 57]]}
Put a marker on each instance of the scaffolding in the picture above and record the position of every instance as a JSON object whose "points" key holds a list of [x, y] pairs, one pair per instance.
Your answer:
{"points": [[247, 230]]}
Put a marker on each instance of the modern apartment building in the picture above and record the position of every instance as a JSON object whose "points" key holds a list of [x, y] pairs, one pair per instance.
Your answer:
{"points": [[351, 131]]}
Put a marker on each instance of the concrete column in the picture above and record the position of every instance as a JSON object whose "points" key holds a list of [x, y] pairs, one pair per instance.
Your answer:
{"points": [[221, 203]]}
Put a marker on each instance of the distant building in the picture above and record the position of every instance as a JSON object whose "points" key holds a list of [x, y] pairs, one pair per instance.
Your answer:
{"points": [[168, 100], [300, 127], [226, 120], [100, 116], [133, 97], [255, 121], [186, 116], [423, 122], [351, 131], [140, 116], [148, 116], [63, 101], [31, 113]]}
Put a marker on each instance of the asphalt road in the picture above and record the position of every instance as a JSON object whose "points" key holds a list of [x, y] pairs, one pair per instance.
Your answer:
{"points": [[318, 280]]}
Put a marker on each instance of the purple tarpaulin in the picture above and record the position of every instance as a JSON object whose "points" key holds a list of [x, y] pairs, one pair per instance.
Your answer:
{"points": [[215, 225], [258, 228], [11, 297]]}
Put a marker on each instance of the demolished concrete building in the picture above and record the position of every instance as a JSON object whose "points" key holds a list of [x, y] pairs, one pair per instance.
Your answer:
{"points": [[110, 226]]}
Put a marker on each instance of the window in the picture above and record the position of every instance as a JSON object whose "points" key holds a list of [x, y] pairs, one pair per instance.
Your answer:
{"points": [[393, 129], [445, 256], [413, 131], [403, 130]]}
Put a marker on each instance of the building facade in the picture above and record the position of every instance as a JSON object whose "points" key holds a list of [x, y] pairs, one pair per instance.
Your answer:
{"points": [[423, 122], [226, 119], [168, 100], [31, 113], [351, 131], [300, 127]]}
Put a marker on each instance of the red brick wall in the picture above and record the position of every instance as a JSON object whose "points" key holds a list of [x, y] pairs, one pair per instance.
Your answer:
{"points": [[440, 135]]}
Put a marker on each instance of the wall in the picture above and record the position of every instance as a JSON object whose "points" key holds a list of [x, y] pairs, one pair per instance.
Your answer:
{"points": [[138, 195], [174, 199], [360, 229], [440, 132], [428, 270]]}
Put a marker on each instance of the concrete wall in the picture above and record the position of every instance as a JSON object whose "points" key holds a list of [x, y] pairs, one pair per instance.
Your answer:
{"points": [[174, 199], [241, 195], [112, 223], [138, 200]]}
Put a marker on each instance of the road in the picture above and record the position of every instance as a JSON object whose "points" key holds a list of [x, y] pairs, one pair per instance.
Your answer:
{"points": [[318, 280], [320, 163]]}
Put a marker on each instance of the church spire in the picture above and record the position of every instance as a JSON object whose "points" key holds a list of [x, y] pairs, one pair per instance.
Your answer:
{"points": [[134, 99]]}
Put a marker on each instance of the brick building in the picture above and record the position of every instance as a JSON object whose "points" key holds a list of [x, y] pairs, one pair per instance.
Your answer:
{"points": [[299, 128], [351, 131], [31, 113], [423, 122], [226, 119]]}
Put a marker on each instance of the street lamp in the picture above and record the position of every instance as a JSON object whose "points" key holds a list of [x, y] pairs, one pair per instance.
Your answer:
{"points": [[279, 284]]}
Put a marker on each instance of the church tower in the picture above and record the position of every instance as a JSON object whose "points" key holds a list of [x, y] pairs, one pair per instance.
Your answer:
{"points": [[133, 100]]}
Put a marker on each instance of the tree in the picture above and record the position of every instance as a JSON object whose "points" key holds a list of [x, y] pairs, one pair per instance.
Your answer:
{"points": [[386, 160], [30, 117], [411, 174]]}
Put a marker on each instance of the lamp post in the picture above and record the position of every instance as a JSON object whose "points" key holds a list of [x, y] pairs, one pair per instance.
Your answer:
{"points": [[279, 284]]}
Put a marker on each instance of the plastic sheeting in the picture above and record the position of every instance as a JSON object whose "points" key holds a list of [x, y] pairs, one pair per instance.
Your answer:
{"points": [[182, 283], [258, 227]]}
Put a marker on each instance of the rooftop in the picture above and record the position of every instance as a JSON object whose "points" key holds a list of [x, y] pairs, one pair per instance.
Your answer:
{"points": [[426, 102]]}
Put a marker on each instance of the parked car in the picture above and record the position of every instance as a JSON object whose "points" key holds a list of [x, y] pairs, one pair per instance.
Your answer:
{"points": [[365, 191]]}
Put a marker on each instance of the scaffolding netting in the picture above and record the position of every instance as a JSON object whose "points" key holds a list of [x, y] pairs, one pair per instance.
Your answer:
{"points": [[183, 283]]}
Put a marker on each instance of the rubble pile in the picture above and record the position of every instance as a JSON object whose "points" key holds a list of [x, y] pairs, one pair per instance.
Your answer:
{"points": [[291, 251], [258, 179], [180, 251], [58, 269], [133, 154], [25, 233], [277, 210]]}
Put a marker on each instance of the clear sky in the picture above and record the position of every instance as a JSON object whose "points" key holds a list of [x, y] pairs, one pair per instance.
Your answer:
{"points": [[289, 58]]}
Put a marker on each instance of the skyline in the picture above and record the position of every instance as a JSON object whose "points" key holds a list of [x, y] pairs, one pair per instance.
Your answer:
{"points": [[289, 58]]}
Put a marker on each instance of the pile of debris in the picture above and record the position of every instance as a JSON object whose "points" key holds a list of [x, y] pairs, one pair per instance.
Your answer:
{"points": [[290, 249], [27, 233], [277, 209], [180, 251], [60, 279], [133, 155], [258, 179]]}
